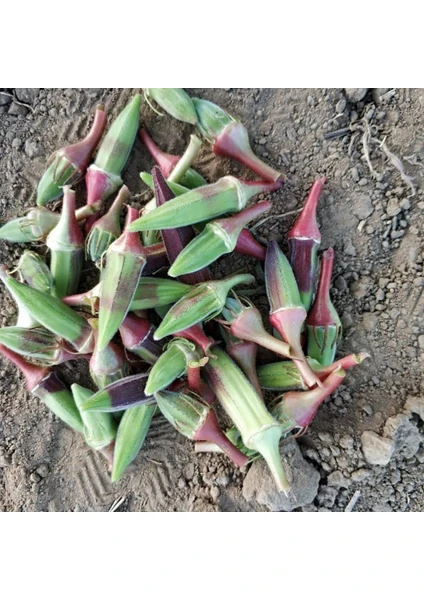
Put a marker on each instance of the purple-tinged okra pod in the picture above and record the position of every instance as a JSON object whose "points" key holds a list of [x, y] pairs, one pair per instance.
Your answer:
{"points": [[153, 292], [281, 376], [304, 241], [137, 337], [323, 325], [229, 138], [38, 223], [108, 365], [196, 384], [167, 162], [179, 355], [175, 101], [120, 395], [25, 318], [107, 229], [33, 373], [301, 407], [132, 432], [196, 420], [244, 355], [228, 195], [259, 430], [176, 239], [104, 175], [66, 244], [99, 429], [34, 271], [217, 239], [245, 322], [205, 301], [46, 385], [246, 244], [156, 259], [37, 344], [54, 315], [287, 314], [125, 260], [68, 165], [284, 376]]}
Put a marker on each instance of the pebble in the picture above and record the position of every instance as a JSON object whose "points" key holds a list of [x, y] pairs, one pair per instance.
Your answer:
{"points": [[355, 95], [421, 341], [349, 248], [393, 207], [35, 477], [189, 471], [27, 95], [17, 143], [346, 442], [419, 281], [338, 480], [43, 470], [304, 478], [32, 149], [17, 109], [327, 496], [341, 105], [362, 206], [223, 480], [377, 450], [360, 475], [214, 493], [340, 283], [369, 321]]}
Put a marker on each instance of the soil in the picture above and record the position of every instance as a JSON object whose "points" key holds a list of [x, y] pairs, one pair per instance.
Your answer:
{"points": [[373, 221]]}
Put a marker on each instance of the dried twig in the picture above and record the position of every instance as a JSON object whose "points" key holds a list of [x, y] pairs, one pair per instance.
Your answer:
{"points": [[281, 216], [352, 501]]}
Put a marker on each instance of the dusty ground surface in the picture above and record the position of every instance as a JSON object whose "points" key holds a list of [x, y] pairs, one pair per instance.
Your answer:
{"points": [[375, 225]]}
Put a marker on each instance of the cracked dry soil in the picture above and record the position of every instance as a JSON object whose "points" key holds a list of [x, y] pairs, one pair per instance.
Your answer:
{"points": [[365, 449]]}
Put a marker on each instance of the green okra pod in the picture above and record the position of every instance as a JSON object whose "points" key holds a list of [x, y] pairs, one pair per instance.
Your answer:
{"points": [[132, 432], [66, 244]]}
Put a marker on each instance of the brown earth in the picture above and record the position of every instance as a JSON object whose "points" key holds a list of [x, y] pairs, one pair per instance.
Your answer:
{"points": [[375, 225]]}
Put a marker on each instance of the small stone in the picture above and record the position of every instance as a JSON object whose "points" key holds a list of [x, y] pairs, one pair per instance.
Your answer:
{"points": [[17, 109], [222, 480], [17, 143], [5, 99], [383, 281], [347, 442], [340, 106], [340, 283], [43, 470], [34, 477], [362, 206], [27, 95], [382, 507], [304, 478], [355, 95], [214, 493], [349, 248], [406, 435], [360, 288], [393, 207], [415, 405], [327, 496], [405, 204], [369, 321], [377, 450], [360, 475], [338, 480], [325, 437], [189, 471], [419, 282], [32, 149]]}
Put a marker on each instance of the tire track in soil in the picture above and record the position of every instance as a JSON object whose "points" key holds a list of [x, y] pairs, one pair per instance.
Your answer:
{"points": [[93, 485]]}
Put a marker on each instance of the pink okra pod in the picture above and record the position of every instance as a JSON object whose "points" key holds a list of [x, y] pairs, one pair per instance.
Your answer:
{"points": [[68, 165], [230, 138], [304, 241], [287, 314], [323, 324], [301, 407]]}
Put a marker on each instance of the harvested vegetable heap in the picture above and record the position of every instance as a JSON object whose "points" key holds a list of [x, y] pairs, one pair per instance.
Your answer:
{"points": [[158, 331]]}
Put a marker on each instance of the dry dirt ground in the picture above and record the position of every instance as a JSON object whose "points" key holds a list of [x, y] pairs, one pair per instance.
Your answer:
{"points": [[374, 221]]}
